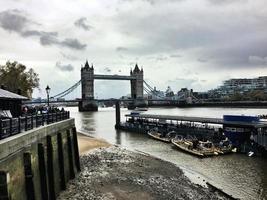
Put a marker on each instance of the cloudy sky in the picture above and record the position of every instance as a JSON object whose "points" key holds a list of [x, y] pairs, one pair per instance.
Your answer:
{"points": [[179, 43]]}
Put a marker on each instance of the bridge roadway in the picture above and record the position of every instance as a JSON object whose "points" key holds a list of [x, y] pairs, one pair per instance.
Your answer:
{"points": [[98, 100], [113, 77]]}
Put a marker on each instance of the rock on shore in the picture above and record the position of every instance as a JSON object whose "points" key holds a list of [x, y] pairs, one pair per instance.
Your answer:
{"points": [[116, 173]]}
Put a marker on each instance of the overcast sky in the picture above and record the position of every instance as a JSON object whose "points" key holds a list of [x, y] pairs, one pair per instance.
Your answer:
{"points": [[179, 43]]}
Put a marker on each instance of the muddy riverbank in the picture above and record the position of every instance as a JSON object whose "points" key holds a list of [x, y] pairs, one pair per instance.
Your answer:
{"points": [[117, 173]]}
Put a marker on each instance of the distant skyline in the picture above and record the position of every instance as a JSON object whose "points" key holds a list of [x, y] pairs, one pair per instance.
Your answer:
{"points": [[179, 43]]}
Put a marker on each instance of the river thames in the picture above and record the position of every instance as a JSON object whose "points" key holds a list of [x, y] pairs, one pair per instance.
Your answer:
{"points": [[237, 174]]}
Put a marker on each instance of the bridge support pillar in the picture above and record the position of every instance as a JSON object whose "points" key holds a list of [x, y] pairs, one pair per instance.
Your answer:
{"points": [[140, 103], [88, 105]]}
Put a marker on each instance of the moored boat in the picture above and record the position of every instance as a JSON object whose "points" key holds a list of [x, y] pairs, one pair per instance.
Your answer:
{"points": [[160, 136], [225, 147], [140, 109], [195, 147]]}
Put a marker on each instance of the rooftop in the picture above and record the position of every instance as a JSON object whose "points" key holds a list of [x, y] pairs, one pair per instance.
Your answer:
{"points": [[259, 124], [4, 94]]}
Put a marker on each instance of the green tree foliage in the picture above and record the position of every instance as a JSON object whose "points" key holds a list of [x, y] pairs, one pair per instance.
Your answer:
{"points": [[256, 95], [14, 76], [253, 95]]}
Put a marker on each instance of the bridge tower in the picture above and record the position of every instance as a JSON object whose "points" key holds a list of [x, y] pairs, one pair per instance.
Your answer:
{"points": [[137, 88], [87, 81]]}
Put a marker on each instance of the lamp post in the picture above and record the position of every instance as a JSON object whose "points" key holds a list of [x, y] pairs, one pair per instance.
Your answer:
{"points": [[47, 89]]}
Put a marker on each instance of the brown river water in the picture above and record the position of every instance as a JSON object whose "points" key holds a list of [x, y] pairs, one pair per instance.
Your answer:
{"points": [[237, 174]]}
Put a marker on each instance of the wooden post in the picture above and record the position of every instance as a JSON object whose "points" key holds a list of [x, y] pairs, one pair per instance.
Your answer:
{"points": [[42, 171], [10, 126], [76, 149], [1, 131], [28, 176], [26, 123], [19, 125], [47, 118], [50, 167], [118, 115], [61, 161], [36, 120], [3, 186], [32, 122], [70, 154], [43, 119]]}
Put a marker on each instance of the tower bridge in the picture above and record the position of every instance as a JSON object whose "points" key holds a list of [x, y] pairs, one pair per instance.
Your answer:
{"points": [[88, 102], [113, 77]]}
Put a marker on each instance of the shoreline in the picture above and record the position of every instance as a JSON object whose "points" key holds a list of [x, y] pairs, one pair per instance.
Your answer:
{"points": [[89, 146], [88, 143]]}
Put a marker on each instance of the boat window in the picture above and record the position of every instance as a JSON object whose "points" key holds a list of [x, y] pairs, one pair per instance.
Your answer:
{"points": [[239, 130]]}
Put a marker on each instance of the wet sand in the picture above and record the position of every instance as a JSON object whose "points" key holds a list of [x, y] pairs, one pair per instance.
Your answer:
{"points": [[87, 143]]}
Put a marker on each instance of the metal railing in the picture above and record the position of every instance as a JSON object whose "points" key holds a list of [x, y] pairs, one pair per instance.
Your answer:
{"points": [[13, 126]]}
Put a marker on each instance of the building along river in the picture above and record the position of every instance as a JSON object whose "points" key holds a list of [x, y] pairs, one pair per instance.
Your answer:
{"points": [[237, 174]]}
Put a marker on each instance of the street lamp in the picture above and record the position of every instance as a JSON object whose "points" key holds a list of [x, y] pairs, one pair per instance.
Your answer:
{"points": [[47, 89]]}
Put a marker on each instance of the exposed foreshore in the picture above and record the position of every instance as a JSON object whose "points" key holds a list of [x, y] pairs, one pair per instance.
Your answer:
{"points": [[112, 172], [87, 143]]}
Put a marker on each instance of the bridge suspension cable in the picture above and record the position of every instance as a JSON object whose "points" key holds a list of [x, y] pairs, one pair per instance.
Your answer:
{"points": [[67, 91], [150, 88], [152, 92]]}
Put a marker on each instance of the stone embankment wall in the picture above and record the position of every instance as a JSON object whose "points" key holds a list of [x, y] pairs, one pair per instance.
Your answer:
{"points": [[38, 163]]}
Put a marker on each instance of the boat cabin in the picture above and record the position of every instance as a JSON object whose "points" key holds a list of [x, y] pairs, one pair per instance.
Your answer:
{"points": [[239, 129]]}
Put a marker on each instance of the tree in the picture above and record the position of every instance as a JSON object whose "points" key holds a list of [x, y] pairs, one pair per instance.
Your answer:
{"points": [[14, 77], [237, 96], [257, 95]]}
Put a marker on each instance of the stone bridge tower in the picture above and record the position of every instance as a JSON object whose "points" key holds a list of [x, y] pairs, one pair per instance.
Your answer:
{"points": [[137, 89], [87, 82]]}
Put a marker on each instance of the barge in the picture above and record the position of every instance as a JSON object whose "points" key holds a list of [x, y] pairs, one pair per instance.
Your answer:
{"points": [[246, 133]]}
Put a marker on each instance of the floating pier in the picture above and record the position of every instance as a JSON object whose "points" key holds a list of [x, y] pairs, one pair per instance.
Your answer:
{"points": [[245, 132]]}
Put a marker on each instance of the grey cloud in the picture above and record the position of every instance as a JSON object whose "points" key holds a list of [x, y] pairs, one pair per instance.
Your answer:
{"points": [[16, 21], [257, 60], [107, 69], [30, 33], [67, 67], [226, 41], [202, 60], [47, 40], [246, 52], [122, 49], [175, 56], [73, 43], [13, 20], [82, 23], [51, 38], [223, 2], [153, 2], [161, 58]]}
